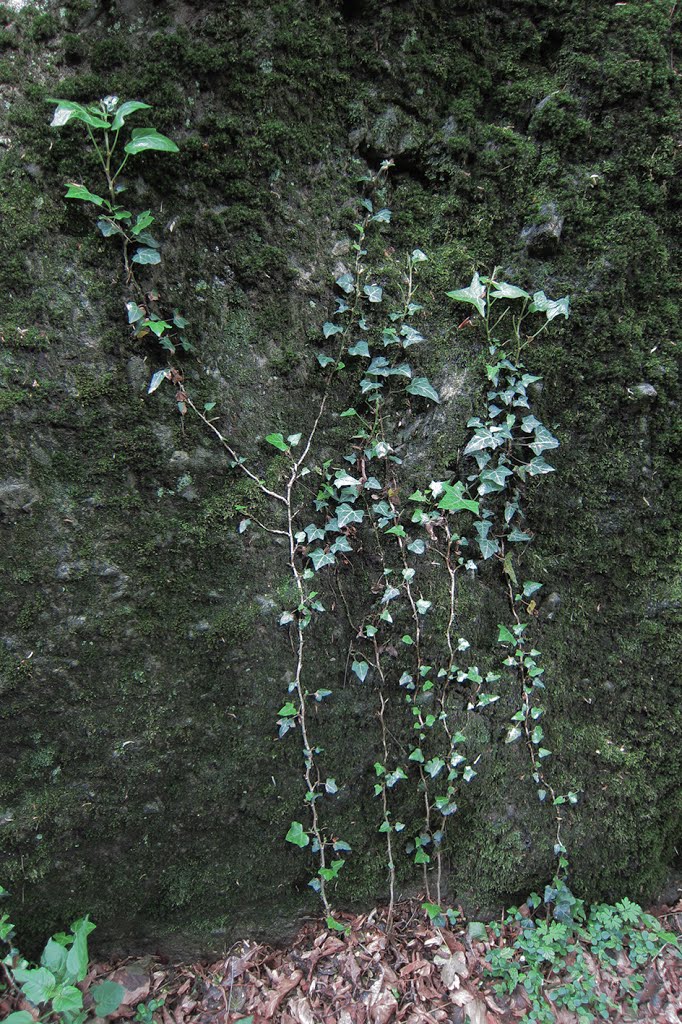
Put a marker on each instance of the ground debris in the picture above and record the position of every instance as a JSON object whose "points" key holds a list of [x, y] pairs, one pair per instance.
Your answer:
{"points": [[416, 973]]}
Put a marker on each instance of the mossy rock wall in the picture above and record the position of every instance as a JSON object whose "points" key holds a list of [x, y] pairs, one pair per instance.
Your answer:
{"points": [[141, 665]]}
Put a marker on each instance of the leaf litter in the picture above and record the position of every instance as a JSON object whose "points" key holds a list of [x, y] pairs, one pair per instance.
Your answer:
{"points": [[414, 973]]}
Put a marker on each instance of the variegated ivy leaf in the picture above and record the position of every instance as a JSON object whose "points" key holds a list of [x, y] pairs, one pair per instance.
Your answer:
{"points": [[508, 291], [373, 292], [474, 294], [544, 441], [360, 668], [346, 283], [483, 438], [423, 388], [550, 307], [538, 466], [320, 558], [347, 515]]}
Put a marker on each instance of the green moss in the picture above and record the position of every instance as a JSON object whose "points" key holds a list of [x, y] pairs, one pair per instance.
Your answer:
{"points": [[156, 672]]}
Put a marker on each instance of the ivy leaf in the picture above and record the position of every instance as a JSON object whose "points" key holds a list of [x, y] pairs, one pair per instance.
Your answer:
{"points": [[148, 138], [434, 766], [107, 229], [146, 255], [331, 786], [483, 438], [346, 283], [324, 360], [297, 835], [544, 441], [454, 501], [373, 292], [516, 536], [418, 256], [157, 379], [417, 756], [537, 466], [329, 329], [418, 547], [410, 336], [66, 110], [361, 348], [508, 291], [347, 515], [289, 710], [422, 387], [320, 558], [75, 191], [423, 606], [474, 294], [277, 441], [550, 307], [142, 221], [119, 120], [360, 668], [382, 216], [493, 480], [513, 734]]}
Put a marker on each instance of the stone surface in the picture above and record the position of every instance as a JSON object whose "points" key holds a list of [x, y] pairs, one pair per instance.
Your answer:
{"points": [[141, 663]]}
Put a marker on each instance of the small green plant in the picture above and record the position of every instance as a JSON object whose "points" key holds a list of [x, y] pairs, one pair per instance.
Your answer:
{"points": [[51, 986], [144, 1012], [548, 954], [104, 122]]}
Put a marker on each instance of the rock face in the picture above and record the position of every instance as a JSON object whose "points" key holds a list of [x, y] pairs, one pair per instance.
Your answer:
{"points": [[141, 662]]}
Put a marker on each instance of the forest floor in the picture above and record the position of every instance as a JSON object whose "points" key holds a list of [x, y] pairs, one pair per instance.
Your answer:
{"points": [[414, 973]]}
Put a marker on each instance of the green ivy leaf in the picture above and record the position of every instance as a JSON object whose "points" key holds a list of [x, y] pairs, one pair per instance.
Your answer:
{"points": [[75, 191], [373, 292], [67, 110], [422, 387], [146, 256], [125, 110], [289, 710], [297, 835], [508, 291], [474, 294], [142, 221], [504, 635], [329, 329], [361, 348], [347, 515], [360, 668], [148, 138], [320, 558], [277, 441]]}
